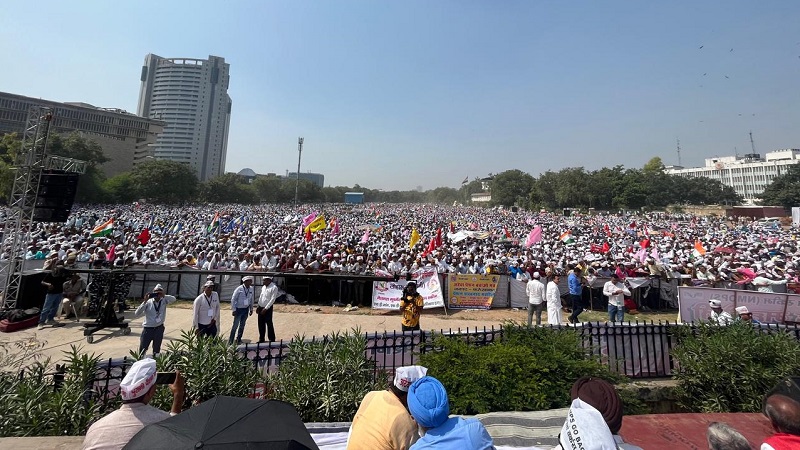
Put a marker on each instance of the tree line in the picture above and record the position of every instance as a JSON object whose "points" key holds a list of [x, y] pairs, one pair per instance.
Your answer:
{"points": [[572, 187]]}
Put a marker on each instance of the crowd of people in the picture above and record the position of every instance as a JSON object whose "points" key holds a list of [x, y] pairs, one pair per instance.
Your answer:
{"points": [[399, 239]]}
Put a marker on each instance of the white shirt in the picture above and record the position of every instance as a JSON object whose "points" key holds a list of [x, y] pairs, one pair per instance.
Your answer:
{"points": [[113, 431], [553, 296], [201, 307], [242, 297], [536, 292], [269, 293], [610, 290], [723, 318]]}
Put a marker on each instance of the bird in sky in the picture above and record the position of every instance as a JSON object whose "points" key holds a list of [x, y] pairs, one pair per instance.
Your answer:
{"points": [[727, 76], [731, 50], [705, 74], [701, 47]]}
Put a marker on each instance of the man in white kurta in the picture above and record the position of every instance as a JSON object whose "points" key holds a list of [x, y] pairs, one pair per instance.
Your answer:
{"points": [[553, 298]]}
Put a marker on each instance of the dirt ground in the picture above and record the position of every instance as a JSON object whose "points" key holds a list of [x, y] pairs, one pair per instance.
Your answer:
{"points": [[290, 321]]}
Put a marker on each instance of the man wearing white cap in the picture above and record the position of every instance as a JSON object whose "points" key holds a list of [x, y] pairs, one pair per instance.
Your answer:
{"points": [[382, 421], [745, 315], [137, 389], [536, 293], [154, 309], [718, 316], [205, 311], [269, 294], [241, 307]]}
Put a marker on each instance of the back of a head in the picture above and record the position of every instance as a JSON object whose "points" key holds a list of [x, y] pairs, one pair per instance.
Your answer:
{"points": [[428, 402], [603, 397], [722, 436], [784, 413]]}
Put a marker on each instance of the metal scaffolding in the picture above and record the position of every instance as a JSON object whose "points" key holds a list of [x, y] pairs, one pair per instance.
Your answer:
{"points": [[29, 164]]}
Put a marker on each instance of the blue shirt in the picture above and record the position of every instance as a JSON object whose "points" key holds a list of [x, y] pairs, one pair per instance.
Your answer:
{"points": [[574, 283], [456, 433], [242, 297]]}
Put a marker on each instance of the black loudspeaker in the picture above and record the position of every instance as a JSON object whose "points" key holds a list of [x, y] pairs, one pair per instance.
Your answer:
{"points": [[31, 292], [55, 196]]}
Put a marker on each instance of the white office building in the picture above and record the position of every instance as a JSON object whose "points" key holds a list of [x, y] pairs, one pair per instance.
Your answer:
{"points": [[191, 96], [749, 175]]}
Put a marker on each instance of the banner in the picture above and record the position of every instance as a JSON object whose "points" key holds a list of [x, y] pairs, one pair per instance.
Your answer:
{"points": [[386, 294], [766, 307], [471, 291]]}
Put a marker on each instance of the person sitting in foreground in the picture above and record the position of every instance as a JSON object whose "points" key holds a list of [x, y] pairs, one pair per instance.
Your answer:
{"points": [[430, 407], [382, 420], [137, 389], [784, 413], [603, 397], [722, 436]]}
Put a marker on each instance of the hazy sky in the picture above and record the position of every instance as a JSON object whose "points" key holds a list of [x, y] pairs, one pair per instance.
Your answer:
{"points": [[400, 94]]}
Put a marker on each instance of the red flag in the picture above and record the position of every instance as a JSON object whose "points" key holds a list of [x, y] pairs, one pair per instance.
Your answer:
{"points": [[607, 229], [439, 238], [144, 237], [594, 248], [431, 247], [632, 225], [605, 247], [645, 243], [452, 228], [505, 230], [308, 234]]}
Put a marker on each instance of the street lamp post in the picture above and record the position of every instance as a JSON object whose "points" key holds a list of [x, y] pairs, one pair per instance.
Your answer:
{"points": [[297, 180]]}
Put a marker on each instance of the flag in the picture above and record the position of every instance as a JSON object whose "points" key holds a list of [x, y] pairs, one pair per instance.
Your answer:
{"points": [[605, 248], [654, 254], [144, 237], [641, 255], [439, 237], [104, 229], [645, 243], [632, 225], [214, 222], [699, 250], [534, 236], [566, 237], [466, 180], [607, 230], [365, 237], [335, 230], [309, 218], [414, 238], [431, 248], [308, 235], [505, 231], [317, 224], [594, 248]]}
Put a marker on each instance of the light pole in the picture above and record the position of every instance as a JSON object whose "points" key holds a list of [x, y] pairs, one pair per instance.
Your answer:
{"points": [[297, 180]]}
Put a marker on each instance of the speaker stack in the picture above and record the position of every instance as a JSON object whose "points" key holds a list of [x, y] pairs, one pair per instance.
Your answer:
{"points": [[56, 195]]}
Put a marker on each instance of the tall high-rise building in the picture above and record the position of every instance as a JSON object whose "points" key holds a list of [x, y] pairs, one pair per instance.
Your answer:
{"points": [[191, 96]]}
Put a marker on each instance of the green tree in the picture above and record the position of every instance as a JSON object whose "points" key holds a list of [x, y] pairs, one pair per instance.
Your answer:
{"points": [[784, 189], [229, 188], [165, 181], [442, 195], [120, 188], [511, 187], [9, 149], [268, 189]]}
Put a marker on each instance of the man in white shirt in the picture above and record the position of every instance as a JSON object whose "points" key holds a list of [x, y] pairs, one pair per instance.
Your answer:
{"points": [[205, 311], [553, 299], [269, 294], [113, 431], [241, 308], [718, 316], [615, 290], [536, 292], [154, 309]]}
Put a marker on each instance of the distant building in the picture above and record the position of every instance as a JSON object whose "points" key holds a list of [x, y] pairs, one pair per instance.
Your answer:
{"points": [[316, 178], [122, 135], [748, 175], [486, 195], [191, 96], [248, 174], [354, 197]]}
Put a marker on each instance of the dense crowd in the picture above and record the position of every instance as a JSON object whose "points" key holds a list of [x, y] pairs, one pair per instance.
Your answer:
{"points": [[371, 238]]}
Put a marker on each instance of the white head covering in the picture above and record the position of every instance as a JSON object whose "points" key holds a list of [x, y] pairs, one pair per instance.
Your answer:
{"points": [[209, 283], [585, 429], [742, 310], [247, 278], [158, 288], [406, 376], [139, 379], [715, 303]]}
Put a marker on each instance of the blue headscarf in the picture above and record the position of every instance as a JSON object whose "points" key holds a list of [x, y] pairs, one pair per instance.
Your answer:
{"points": [[428, 402]]}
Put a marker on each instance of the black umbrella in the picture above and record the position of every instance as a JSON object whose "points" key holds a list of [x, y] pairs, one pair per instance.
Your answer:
{"points": [[228, 423]]}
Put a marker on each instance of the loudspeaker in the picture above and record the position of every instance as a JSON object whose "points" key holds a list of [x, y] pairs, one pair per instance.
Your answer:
{"points": [[31, 292], [55, 197]]}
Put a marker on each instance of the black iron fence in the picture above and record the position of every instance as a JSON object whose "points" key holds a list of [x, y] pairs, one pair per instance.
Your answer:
{"points": [[637, 350]]}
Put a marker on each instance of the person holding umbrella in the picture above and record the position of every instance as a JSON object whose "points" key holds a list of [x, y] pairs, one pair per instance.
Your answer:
{"points": [[137, 389]]}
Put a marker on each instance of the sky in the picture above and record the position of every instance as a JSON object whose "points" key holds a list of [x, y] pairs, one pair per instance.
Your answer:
{"points": [[401, 94]]}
